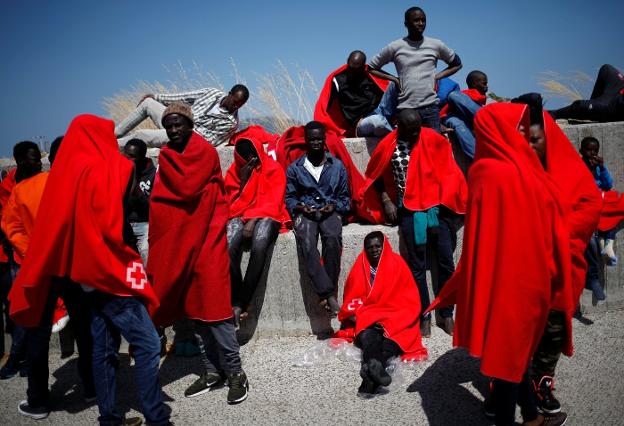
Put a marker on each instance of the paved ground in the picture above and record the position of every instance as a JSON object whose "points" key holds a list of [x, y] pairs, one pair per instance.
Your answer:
{"points": [[446, 390]]}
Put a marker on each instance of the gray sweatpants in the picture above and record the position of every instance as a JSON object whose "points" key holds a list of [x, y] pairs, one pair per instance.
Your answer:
{"points": [[154, 138]]}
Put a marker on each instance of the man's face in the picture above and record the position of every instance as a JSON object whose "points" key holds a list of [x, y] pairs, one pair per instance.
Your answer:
{"points": [[590, 150], [179, 129], [233, 101], [416, 22], [373, 248], [30, 165], [356, 67], [480, 84], [537, 141], [131, 152], [315, 140]]}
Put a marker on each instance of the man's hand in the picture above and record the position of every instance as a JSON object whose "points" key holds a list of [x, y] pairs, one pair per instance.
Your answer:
{"points": [[398, 83], [327, 209], [248, 228], [305, 210], [597, 161], [149, 95], [391, 211], [247, 170]]}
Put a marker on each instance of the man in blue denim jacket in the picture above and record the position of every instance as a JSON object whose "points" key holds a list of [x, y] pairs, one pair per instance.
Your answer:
{"points": [[317, 197]]}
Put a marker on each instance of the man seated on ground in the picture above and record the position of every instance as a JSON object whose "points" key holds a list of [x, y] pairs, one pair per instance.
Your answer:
{"points": [[349, 94], [188, 257], [18, 222], [81, 233], [317, 198], [145, 172], [412, 179], [415, 58], [461, 108], [215, 114], [380, 311], [606, 102], [255, 185]]}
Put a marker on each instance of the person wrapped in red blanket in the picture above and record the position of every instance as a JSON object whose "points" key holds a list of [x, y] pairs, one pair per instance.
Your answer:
{"points": [[188, 261], [380, 311], [255, 186], [81, 233], [412, 179], [349, 94], [502, 311]]}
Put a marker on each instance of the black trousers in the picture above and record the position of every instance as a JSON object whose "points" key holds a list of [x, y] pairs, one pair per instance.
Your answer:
{"points": [[375, 346], [443, 242], [506, 395], [606, 102], [324, 277], [264, 235], [38, 341]]}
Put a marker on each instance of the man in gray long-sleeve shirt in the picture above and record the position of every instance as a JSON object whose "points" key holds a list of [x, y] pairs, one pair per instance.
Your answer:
{"points": [[215, 114], [415, 58]]}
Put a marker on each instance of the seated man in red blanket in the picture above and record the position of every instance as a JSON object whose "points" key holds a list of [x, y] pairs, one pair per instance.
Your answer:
{"points": [[188, 260], [255, 185], [349, 94], [461, 108], [412, 179], [380, 311]]}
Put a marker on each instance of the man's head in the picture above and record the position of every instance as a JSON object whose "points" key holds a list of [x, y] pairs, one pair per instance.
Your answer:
{"points": [[177, 120], [54, 147], [356, 64], [477, 80], [28, 159], [236, 98], [415, 21], [409, 124], [314, 133], [136, 150], [373, 246], [245, 148], [590, 147], [537, 138]]}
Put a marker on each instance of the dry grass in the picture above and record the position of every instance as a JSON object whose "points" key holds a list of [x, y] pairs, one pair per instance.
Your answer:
{"points": [[564, 86], [280, 99]]}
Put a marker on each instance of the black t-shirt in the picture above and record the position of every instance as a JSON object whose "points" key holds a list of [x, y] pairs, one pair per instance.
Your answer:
{"points": [[356, 98]]}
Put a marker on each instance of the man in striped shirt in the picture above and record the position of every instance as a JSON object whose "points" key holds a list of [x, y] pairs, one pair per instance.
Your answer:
{"points": [[215, 114]]}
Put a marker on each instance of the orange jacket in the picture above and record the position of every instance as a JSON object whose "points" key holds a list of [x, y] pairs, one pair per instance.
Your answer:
{"points": [[18, 216], [6, 187]]}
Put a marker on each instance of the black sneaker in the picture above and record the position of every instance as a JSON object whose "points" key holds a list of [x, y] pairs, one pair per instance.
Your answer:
{"points": [[546, 401], [368, 388], [204, 383], [11, 368], [36, 413], [556, 419], [239, 387]]}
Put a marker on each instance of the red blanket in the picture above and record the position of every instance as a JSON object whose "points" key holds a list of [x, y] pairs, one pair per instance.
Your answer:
{"points": [[291, 146], [433, 177], [331, 115], [393, 302], [612, 210], [263, 195], [516, 259], [6, 187], [79, 225], [188, 259], [472, 94]]}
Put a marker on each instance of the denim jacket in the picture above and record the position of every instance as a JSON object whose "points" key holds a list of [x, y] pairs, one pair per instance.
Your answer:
{"points": [[332, 187]]}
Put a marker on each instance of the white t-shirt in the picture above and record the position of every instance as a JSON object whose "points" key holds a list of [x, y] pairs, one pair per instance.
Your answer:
{"points": [[315, 171]]}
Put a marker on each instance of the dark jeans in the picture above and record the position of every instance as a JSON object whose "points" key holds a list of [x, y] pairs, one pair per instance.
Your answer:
{"points": [[38, 341], [324, 277], [5, 285], [430, 116], [442, 241], [264, 234], [550, 346], [606, 102], [592, 256], [505, 396], [220, 351], [113, 317], [18, 333], [375, 346]]}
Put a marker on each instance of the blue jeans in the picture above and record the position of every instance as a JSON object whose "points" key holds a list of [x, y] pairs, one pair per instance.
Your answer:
{"points": [[462, 110], [113, 317], [377, 123], [430, 116], [18, 333], [141, 232]]}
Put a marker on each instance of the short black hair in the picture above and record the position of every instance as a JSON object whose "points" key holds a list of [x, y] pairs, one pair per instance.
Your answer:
{"points": [[411, 10], [473, 75], [536, 107], [409, 114], [357, 53], [140, 145], [589, 139], [373, 235], [313, 125], [240, 88], [54, 147], [21, 148]]}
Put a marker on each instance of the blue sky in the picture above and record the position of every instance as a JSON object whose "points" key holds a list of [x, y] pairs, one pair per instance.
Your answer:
{"points": [[62, 57]]}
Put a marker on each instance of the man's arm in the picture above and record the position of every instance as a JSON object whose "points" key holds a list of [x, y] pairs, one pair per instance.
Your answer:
{"points": [[343, 197], [188, 97], [453, 66], [389, 207], [13, 227], [382, 58], [292, 196]]}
